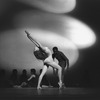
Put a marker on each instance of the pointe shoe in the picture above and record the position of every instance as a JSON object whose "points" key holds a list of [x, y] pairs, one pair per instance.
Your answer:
{"points": [[60, 85], [39, 88], [63, 86]]}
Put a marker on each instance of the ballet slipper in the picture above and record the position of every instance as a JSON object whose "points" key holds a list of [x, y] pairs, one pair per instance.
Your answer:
{"points": [[60, 85], [39, 87]]}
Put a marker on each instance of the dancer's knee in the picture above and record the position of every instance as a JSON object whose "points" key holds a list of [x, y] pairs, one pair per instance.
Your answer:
{"points": [[40, 77], [60, 69]]}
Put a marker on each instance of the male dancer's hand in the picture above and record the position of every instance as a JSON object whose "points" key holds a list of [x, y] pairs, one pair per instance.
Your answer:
{"points": [[66, 68]]}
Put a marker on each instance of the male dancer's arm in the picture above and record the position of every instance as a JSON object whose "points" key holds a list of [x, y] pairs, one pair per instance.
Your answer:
{"points": [[31, 77], [66, 59], [67, 62]]}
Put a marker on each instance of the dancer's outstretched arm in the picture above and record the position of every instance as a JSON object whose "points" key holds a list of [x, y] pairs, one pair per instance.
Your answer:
{"points": [[35, 42], [28, 35], [32, 76]]}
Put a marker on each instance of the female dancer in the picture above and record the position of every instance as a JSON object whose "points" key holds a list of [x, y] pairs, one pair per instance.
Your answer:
{"points": [[48, 61]]}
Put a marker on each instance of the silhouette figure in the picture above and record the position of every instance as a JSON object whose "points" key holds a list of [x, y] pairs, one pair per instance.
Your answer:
{"points": [[23, 78], [32, 80], [3, 80], [47, 61], [14, 78]]}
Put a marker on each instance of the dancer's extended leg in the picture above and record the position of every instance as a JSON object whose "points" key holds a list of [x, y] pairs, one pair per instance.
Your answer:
{"points": [[44, 70]]}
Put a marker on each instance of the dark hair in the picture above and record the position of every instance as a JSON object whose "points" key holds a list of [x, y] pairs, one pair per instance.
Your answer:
{"points": [[40, 55], [55, 48], [24, 71], [33, 71]]}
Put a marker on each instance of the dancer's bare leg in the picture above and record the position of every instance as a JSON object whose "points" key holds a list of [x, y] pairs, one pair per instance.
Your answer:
{"points": [[63, 74], [44, 70], [62, 78], [63, 71], [55, 65]]}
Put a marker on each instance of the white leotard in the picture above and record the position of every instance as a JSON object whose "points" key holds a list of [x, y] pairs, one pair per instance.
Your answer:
{"points": [[49, 58]]}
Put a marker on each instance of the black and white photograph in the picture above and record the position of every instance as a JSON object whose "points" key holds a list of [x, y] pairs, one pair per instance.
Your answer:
{"points": [[49, 49]]}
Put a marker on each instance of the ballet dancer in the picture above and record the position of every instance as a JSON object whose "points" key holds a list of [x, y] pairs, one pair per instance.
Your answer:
{"points": [[48, 61]]}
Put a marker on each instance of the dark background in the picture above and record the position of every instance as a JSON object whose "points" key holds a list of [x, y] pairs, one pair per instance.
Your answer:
{"points": [[89, 68], [87, 71]]}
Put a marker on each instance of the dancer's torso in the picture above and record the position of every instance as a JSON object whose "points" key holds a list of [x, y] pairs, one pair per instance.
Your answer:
{"points": [[46, 57], [49, 57], [39, 54]]}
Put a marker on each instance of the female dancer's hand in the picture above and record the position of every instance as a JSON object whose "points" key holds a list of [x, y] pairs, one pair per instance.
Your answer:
{"points": [[27, 33]]}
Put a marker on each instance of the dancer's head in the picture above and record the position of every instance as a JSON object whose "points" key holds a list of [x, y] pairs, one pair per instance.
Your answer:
{"points": [[55, 49], [33, 71], [14, 71], [24, 72]]}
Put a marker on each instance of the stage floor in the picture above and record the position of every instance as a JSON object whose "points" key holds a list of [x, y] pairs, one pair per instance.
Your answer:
{"points": [[50, 94]]}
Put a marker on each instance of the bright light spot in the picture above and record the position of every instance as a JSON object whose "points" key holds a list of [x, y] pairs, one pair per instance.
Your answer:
{"points": [[81, 34]]}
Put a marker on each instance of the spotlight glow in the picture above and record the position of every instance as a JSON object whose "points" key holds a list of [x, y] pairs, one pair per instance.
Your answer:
{"points": [[17, 50], [81, 34], [55, 6], [76, 31]]}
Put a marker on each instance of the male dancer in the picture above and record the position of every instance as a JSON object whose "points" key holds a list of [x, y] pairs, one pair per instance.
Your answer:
{"points": [[62, 60]]}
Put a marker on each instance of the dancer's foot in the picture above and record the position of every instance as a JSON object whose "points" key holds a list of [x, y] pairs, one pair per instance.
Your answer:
{"points": [[63, 86], [50, 86], [60, 85], [39, 87]]}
